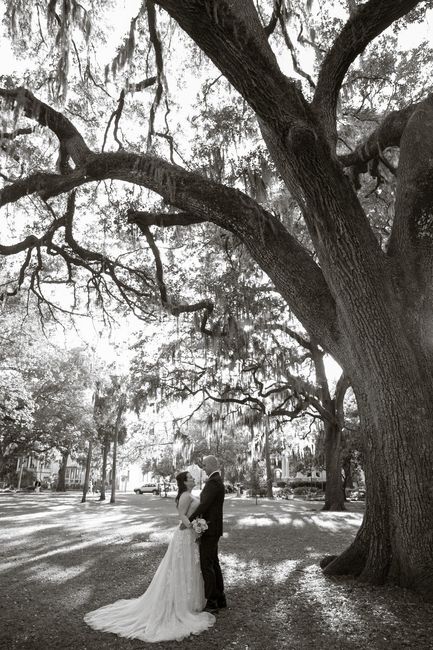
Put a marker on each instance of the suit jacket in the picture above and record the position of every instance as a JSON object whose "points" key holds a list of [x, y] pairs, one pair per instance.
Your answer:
{"points": [[211, 506]]}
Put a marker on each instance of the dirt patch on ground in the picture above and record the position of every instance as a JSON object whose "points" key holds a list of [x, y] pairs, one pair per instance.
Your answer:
{"points": [[60, 559]]}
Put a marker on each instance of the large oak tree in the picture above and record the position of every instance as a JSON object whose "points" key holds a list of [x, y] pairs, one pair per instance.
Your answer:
{"points": [[370, 308]]}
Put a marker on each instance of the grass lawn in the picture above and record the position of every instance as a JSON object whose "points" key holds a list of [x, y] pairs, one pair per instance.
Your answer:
{"points": [[60, 558]]}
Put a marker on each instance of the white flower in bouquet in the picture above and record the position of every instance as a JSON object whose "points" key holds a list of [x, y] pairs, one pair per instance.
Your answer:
{"points": [[199, 525]]}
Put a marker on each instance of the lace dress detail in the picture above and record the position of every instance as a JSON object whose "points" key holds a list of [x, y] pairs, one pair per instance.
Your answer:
{"points": [[171, 607]]}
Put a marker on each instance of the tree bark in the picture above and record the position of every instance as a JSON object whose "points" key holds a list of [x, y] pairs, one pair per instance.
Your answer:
{"points": [[105, 450], [120, 409], [114, 465], [268, 465], [61, 482], [334, 493], [87, 475], [395, 539]]}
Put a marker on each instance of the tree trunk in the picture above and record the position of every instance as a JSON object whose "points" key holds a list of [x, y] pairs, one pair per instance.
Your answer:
{"points": [[334, 493], [105, 450], [61, 482], [114, 465], [395, 540], [347, 473], [87, 476], [121, 407], [269, 492]]}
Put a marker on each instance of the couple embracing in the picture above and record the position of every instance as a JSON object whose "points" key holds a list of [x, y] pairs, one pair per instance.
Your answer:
{"points": [[187, 588]]}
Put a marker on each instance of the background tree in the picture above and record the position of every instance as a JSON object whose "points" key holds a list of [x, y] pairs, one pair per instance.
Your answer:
{"points": [[109, 408]]}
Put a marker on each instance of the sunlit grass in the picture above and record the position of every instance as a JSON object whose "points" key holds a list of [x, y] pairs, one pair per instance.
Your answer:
{"points": [[56, 573], [239, 572], [61, 556]]}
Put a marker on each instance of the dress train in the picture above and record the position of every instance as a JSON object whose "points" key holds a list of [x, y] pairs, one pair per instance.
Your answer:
{"points": [[170, 609]]}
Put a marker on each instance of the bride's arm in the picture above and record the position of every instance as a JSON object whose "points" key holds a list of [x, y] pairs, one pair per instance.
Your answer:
{"points": [[182, 508]]}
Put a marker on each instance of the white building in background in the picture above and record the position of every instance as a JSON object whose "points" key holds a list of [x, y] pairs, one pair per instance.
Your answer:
{"points": [[47, 471], [130, 477], [284, 467]]}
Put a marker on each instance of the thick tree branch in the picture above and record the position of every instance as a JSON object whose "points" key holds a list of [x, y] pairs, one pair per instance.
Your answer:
{"points": [[367, 21], [267, 239], [70, 139], [292, 269], [14, 134], [162, 219], [387, 134], [273, 21], [141, 85], [411, 241], [43, 183], [230, 33]]}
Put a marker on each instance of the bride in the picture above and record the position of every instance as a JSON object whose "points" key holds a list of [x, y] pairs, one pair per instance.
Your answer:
{"points": [[171, 608]]}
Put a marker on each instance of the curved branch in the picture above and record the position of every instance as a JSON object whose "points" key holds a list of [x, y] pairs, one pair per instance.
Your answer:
{"points": [[173, 308], [271, 245], [69, 137], [44, 184], [387, 134], [273, 21], [231, 35], [162, 219], [367, 21], [294, 272], [305, 343], [32, 241]]}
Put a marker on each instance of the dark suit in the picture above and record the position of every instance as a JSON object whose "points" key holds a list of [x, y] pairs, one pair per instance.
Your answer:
{"points": [[211, 509]]}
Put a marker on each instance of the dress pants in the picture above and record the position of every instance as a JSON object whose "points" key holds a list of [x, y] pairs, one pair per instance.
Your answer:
{"points": [[210, 568]]}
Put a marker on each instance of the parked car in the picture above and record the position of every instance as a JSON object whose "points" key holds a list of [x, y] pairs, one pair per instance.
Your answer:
{"points": [[148, 488]]}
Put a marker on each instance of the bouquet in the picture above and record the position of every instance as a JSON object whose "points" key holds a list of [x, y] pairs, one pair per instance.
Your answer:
{"points": [[199, 526]]}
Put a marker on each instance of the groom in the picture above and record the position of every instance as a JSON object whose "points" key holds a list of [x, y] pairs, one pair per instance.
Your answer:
{"points": [[211, 509]]}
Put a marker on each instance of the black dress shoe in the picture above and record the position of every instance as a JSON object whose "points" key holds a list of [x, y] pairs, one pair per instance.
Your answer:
{"points": [[211, 607], [222, 603]]}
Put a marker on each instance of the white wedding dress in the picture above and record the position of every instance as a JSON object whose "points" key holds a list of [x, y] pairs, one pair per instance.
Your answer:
{"points": [[171, 607]]}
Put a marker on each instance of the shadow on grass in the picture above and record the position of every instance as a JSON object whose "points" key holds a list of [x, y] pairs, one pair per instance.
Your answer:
{"points": [[278, 597]]}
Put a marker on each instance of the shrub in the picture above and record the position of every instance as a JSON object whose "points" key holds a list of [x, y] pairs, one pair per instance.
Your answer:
{"points": [[319, 485]]}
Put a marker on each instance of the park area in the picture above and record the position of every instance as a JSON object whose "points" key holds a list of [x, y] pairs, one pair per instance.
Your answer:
{"points": [[216, 242], [61, 558]]}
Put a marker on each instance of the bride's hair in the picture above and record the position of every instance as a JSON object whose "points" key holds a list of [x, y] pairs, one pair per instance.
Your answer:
{"points": [[181, 487]]}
